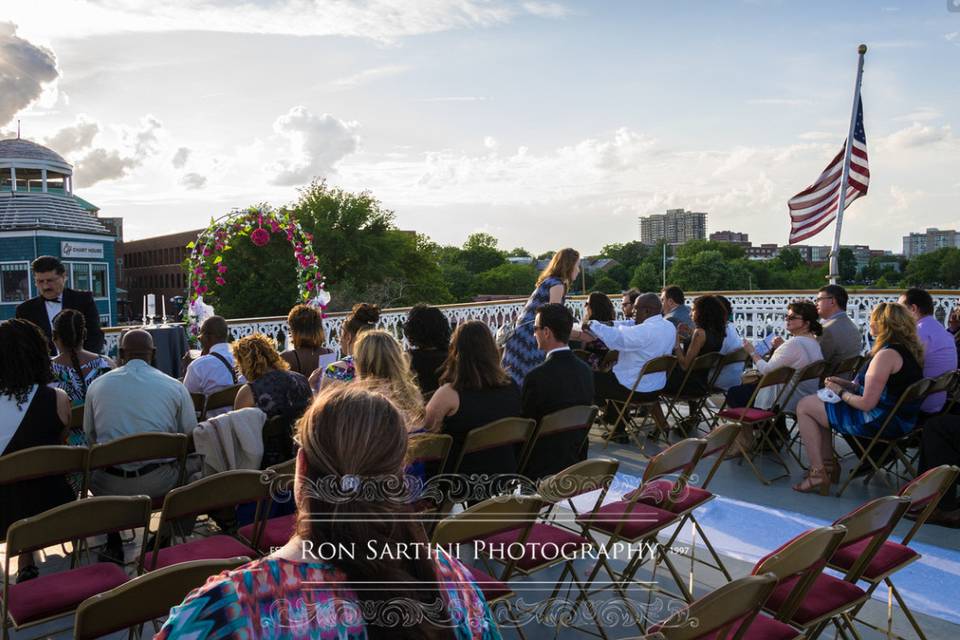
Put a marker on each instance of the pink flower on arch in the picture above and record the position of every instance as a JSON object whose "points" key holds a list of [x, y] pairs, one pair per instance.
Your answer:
{"points": [[207, 251], [220, 281], [260, 237], [221, 268]]}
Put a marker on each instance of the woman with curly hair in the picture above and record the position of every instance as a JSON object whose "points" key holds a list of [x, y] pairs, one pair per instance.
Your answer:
{"points": [[271, 386], [32, 414], [307, 337], [866, 402], [428, 332], [379, 360]]}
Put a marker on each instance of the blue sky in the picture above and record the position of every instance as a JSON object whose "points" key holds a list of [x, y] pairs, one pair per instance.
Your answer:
{"points": [[546, 123]]}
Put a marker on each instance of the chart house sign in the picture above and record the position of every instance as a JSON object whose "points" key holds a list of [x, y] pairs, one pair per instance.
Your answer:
{"points": [[81, 250]]}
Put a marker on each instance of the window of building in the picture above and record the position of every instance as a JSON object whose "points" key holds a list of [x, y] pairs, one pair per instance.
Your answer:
{"points": [[14, 281], [98, 277], [81, 276]]}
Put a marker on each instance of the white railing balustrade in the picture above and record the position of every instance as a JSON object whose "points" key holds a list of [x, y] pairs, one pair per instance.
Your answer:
{"points": [[756, 314]]}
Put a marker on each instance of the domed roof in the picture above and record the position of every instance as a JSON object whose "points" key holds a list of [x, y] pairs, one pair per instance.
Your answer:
{"points": [[20, 149]]}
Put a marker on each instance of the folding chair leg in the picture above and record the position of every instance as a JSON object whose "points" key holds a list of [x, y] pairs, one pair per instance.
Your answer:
{"points": [[713, 552], [905, 609]]}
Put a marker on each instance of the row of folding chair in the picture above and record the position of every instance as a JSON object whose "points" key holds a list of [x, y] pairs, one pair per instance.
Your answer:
{"points": [[204, 404]]}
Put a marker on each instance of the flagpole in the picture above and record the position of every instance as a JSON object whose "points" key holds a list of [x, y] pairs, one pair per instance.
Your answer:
{"points": [[842, 195]]}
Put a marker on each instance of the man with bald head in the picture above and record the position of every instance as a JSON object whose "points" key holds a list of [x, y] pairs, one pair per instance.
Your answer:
{"points": [[135, 398], [651, 337]]}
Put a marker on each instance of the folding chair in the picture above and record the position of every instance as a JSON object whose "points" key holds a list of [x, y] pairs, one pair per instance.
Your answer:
{"points": [[762, 420], [47, 461], [924, 493], [210, 494], [566, 430], [266, 533], [220, 399], [731, 611], [584, 477], [626, 408], [695, 397], [76, 417], [846, 368], [277, 436], [140, 447], [506, 432], [736, 357], [813, 371], [144, 598], [887, 446], [52, 596], [487, 518], [798, 566], [199, 400], [944, 383]]}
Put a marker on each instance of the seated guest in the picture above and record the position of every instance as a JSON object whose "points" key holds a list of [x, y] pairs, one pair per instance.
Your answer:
{"points": [[474, 391], [939, 350], [136, 398], [427, 331], [675, 309], [626, 305], [378, 359], [941, 445], [841, 338], [953, 326], [732, 341], [75, 368], [865, 403], [307, 337], [801, 350], [651, 337], [600, 309], [709, 318], [271, 386], [351, 435], [32, 414], [562, 381], [363, 317], [215, 369]]}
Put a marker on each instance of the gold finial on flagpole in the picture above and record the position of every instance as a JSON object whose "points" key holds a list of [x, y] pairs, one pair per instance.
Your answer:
{"points": [[862, 49]]}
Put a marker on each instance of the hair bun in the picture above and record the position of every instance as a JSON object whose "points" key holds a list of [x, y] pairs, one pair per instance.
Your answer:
{"points": [[368, 313]]}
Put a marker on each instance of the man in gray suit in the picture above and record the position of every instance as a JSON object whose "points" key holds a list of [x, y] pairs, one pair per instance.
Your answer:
{"points": [[841, 338]]}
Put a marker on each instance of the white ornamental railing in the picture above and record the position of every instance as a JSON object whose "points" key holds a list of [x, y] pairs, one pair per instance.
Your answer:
{"points": [[755, 314]]}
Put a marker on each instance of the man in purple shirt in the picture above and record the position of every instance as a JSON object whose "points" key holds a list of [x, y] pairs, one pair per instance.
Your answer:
{"points": [[939, 349]]}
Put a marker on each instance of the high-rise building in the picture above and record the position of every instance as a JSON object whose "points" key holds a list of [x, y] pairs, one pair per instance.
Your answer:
{"points": [[733, 237], [676, 226], [917, 244]]}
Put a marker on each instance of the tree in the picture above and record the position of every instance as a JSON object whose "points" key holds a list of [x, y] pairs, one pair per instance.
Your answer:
{"points": [[646, 278], [603, 284], [789, 259], [847, 264], [728, 250], [926, 269], [480, 253], [950, 268], [708, 271], [507, 279], [519, 252]]}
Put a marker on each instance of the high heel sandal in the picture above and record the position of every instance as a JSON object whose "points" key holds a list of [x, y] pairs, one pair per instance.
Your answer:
{"points": [[822, 487]]}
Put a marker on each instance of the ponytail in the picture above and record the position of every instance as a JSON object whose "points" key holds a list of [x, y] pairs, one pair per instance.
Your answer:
{"points": [[70, 329]]}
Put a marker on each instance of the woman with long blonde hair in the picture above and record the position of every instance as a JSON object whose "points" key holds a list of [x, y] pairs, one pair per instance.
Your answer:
{"points": [[379, 360], [520, 352], [866, 402]]}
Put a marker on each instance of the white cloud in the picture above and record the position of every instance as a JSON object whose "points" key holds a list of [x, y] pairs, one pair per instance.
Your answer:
{"points": [[317, 144], [193, 181], [369, 75], [815, 136], [916, 135], [455, 99], [920, 114], [180, 157], [781, 102], [24, 70], [101, 164], [546, 9], [490, 142], [75, 137]]}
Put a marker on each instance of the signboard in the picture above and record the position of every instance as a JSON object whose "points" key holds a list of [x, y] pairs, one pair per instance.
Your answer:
{"points": [[90, 250]]}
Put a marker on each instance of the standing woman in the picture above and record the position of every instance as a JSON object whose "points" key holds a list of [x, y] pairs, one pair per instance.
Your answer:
{"points": [[307, 338], [520, 353]]}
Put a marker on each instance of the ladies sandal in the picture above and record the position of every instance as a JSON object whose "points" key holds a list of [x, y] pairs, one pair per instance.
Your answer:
{"points": [[817, 481]]}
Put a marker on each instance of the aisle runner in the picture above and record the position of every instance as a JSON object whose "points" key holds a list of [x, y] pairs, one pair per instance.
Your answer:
{"points": [[747, 531]]}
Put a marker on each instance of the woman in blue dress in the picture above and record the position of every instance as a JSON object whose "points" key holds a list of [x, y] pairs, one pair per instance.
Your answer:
{"points": [[520, 353]]}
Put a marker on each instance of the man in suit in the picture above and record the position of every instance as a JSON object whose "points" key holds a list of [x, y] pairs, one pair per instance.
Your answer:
{"points": [[50, 278], [563, 380], [841, 339]]}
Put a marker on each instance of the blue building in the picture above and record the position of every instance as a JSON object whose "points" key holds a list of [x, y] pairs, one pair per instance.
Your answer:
{"points": [[39, 215]]}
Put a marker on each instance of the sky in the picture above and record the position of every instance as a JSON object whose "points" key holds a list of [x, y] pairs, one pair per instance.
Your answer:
{"points": [[546, 123]]}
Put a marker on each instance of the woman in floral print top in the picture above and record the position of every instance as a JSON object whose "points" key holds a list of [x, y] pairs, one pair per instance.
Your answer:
{"points": [[353, 446]]}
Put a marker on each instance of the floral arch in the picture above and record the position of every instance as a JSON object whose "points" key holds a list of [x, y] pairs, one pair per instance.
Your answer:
{"points": [[259, 224]]}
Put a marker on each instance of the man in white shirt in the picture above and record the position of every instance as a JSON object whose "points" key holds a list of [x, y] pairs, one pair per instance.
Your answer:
{"points": [[215, 369], [651, 337], [136, 398]]}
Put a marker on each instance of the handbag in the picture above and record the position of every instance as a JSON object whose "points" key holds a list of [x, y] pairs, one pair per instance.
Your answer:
{"points": [[505, 332]]}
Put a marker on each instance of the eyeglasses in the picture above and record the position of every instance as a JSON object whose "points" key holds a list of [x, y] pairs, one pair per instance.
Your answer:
{"points": [[790, 317], [537, 328], [822, 298]]}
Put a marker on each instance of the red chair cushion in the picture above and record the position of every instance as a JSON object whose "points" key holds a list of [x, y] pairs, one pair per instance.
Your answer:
{"points": [[889, 558], [656, 494], [210, 548], [276, 533], [640, 521], [489, 586], [827, 594], [63, 591], [747, 415], [535, 551]]}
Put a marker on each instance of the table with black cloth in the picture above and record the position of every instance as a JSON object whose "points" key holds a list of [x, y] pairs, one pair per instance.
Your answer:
{"points": [[171, 345]]}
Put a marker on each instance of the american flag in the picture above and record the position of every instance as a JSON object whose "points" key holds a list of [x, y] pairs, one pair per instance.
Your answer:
{"points": [[815, 207]]}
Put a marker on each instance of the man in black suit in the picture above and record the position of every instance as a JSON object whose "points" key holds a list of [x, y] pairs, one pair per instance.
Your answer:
{"points": [[562, 381], [49, 276]]}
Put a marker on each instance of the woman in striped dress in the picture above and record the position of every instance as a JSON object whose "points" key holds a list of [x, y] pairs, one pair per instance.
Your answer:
{"points": [[520, 353]]}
